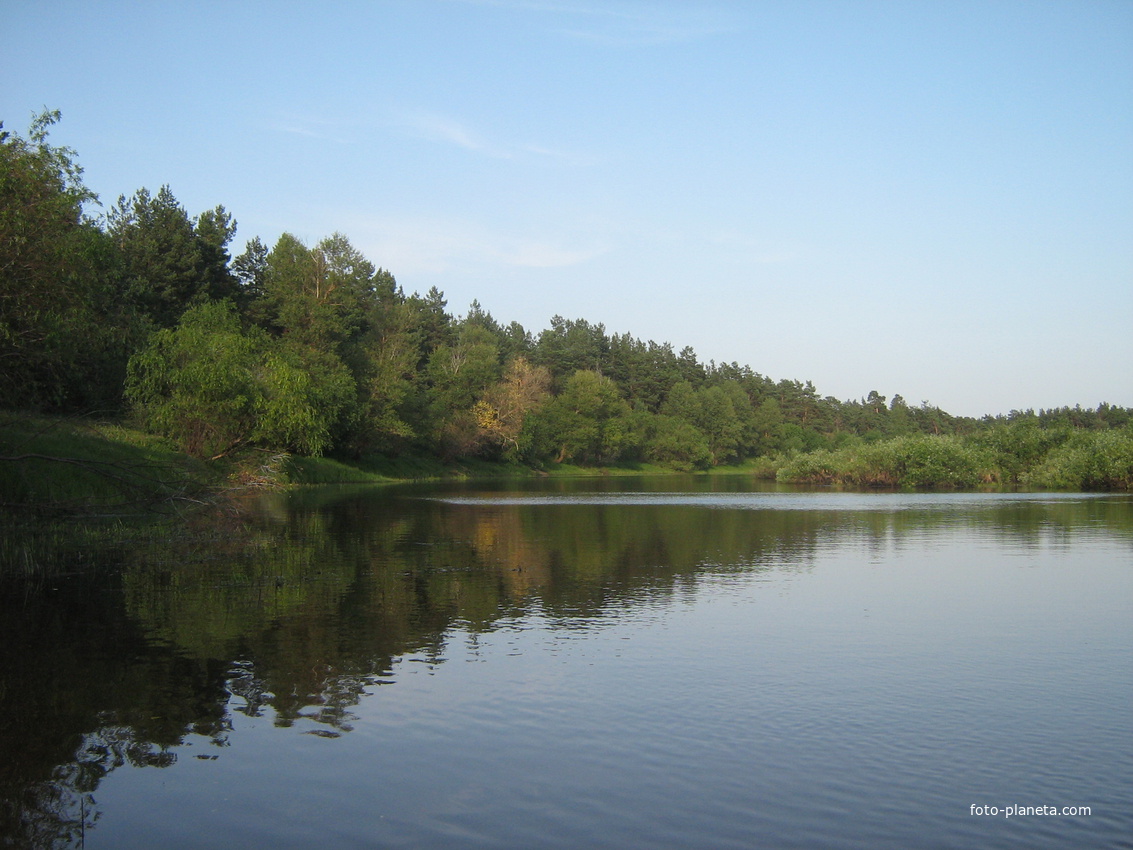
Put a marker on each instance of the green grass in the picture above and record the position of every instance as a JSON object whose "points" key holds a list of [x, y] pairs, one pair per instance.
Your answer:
{"points": [[570, 470], [73, 465], [411, 467], [764, 468], [322, 470]]}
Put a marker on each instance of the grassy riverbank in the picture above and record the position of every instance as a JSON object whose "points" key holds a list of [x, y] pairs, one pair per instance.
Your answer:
{"points": [[69, 487], [76, 466], [60, 465], [67, 466]]}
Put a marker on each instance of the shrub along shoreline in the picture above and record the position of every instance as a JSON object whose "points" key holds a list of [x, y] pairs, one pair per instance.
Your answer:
{"points": [[61, 466], [1028, 459], [71, 487]]}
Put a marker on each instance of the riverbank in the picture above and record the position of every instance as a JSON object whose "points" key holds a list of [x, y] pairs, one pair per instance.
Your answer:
{"points": [[55, 466]]}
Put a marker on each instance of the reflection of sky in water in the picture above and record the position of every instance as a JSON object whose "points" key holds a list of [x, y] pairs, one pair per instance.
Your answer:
{"points": [[867, 702], [639, 669], [810, 501]]}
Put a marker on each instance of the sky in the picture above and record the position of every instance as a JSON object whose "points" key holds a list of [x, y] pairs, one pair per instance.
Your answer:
{"points": [[926, 198]]}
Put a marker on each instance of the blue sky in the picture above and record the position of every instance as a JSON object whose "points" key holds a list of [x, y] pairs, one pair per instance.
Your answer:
{"points": [[926, 198]]}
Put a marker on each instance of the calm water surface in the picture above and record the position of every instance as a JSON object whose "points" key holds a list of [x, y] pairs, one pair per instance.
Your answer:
{"points": [[624, 663]]}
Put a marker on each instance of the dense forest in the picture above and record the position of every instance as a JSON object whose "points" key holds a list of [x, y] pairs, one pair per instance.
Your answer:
{"points": [[142, 313]]}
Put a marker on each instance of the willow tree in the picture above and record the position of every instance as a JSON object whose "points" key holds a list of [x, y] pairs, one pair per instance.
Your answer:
{"points": [[213, 387]]}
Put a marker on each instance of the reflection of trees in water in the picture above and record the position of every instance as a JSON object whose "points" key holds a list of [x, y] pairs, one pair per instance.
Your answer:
{"points": [[83, 691], [51, 813], [57, 811], [63, 808], [301, 611]]}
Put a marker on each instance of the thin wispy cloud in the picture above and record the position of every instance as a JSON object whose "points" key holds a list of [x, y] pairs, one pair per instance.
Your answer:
{"points": [[440, 128], [435, 246], [312, 128]]}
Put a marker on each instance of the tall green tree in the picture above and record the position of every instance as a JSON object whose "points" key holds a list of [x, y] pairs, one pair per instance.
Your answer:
{"points": [[196, 383], [250, 271], [589, 422], [383, 359], [645, 372], [677, 443], [170, 262], [720, 424], [316, 295], [303, 396], [503, 410], [459, 372], [214, 230], [64, 334], [433, 323], [570, 345]]}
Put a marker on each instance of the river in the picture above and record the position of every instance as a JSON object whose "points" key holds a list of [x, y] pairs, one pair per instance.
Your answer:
{"points": [[597, 663]]}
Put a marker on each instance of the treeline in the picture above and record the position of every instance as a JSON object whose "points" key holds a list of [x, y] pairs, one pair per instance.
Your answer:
{"points": [[143, 311]]}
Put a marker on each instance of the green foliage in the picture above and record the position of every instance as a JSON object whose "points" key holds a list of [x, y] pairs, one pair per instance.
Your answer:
{"points": [[383, 359], [1019, 446], [676, 443], [463, 369], [315, 349], [502, 411], [589, 421], [301, 394], [766, 425], [945, 462], [63, 331], [169, 261], [712, 412], [720, 424], [569, 346], [211, 387], [250, 272], [646, 372], [817, 467], [197, 383], [911, 461], [315, 295], [1089, 460]]}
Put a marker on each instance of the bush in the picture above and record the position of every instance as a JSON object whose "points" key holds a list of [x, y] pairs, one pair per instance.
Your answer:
{"points": [[1089, 460], [911, 461], [195, 383], [211, 387], [940, 462], [818, 467], [678, 444]]}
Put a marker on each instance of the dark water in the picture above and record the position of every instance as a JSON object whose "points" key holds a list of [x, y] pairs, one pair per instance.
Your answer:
{"points": [[685, 662]]}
